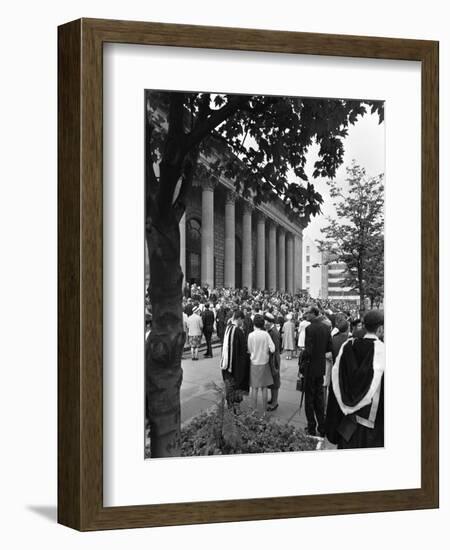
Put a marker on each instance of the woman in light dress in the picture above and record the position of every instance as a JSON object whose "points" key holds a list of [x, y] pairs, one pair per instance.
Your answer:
{"points": [[289, 336], [195, 331]]}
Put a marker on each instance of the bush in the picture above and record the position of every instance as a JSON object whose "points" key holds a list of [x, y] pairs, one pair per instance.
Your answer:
{"points": [[220, 432]]}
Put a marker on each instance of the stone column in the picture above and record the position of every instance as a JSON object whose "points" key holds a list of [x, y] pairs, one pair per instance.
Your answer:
{"points": [[281, 260], [207, 265], [230, 227], [247, 246], [290, 263], [272, 283], [261, 252], [298, 267], [183, 246]]}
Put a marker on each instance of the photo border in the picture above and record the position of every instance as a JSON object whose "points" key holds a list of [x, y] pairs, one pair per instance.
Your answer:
{"points": [[80, 274]]}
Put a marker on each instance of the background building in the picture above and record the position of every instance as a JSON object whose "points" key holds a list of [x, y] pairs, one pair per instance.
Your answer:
{"points": [[323, 278], [312, 262], [333, 277]]}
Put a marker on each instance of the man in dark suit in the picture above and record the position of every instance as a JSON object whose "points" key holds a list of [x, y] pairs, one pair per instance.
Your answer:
{"points": [[221, 313], [247, 325], [270, 327], [341, 337], [208, 328], [317, 344]]}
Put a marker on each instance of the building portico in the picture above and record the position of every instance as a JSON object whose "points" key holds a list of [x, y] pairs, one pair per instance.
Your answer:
{"points": [[227, 241]]}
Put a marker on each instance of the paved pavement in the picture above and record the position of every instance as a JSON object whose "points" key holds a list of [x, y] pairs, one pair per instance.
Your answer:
{"points": [[197, 395]]}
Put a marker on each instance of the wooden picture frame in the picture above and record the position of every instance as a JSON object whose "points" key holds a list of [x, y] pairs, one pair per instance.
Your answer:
{"points": [[80, 271]]}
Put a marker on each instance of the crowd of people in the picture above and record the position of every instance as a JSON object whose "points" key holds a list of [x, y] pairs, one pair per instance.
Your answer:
{"points": [[340, 355]]}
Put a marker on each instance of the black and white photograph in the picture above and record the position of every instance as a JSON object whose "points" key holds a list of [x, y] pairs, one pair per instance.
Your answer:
{"points": [[264, 273], [225, 226]]}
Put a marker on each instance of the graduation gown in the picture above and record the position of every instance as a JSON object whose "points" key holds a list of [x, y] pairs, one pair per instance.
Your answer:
{"points": [[355, 411], [235, 358]]}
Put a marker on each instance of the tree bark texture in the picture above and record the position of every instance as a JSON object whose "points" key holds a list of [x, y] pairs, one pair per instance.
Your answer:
{"points": [[164, 346]]}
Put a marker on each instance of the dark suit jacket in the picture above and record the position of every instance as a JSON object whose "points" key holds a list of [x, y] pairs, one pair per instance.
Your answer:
{"points": [[240, 361], [248, 325], [208, 321], [338, 340], [275, 335], [317, 344]]}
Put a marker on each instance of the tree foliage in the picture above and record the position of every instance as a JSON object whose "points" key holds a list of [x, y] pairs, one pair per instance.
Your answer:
{"points": [[258, 142], [356, 237]]}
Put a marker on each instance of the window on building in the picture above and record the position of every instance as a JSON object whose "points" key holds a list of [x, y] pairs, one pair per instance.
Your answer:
{"points": [[307, 250], [307, 269], [307, 258], [307, 279]]}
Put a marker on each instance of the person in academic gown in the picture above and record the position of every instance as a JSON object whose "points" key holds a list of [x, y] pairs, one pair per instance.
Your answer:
{"points": [[235, 361], [355, 413]]}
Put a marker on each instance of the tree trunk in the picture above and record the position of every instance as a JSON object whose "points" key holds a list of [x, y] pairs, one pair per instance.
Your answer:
{"points": [[362, 301], [164, 346]]}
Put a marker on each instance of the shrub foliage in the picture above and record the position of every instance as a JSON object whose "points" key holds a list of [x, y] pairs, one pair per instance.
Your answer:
{"points": [[221, 432]]}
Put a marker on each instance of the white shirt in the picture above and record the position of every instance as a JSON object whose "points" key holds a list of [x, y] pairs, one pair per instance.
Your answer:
{"points": [[259, 345]]}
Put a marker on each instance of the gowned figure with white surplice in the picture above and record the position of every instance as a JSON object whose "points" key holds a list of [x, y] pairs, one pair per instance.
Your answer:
{"points": [[235, 362], [355, 413]]}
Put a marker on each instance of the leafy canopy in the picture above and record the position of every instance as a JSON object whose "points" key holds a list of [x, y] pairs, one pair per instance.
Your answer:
{"points": [[259, 142]]}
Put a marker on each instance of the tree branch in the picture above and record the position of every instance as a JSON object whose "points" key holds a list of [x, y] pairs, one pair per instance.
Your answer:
{"points": [[206, 126], [249, 162], [191, 163], [173, 154]]}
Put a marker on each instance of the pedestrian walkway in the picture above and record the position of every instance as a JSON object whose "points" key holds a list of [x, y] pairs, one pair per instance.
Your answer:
{"points": [[197, 395]]}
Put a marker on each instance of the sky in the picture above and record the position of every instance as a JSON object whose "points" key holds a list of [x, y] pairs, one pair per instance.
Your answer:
{"points": [[365, 144]]}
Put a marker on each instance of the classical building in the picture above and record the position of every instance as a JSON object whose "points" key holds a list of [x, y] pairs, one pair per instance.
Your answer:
{"points": [[227, 242]]}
